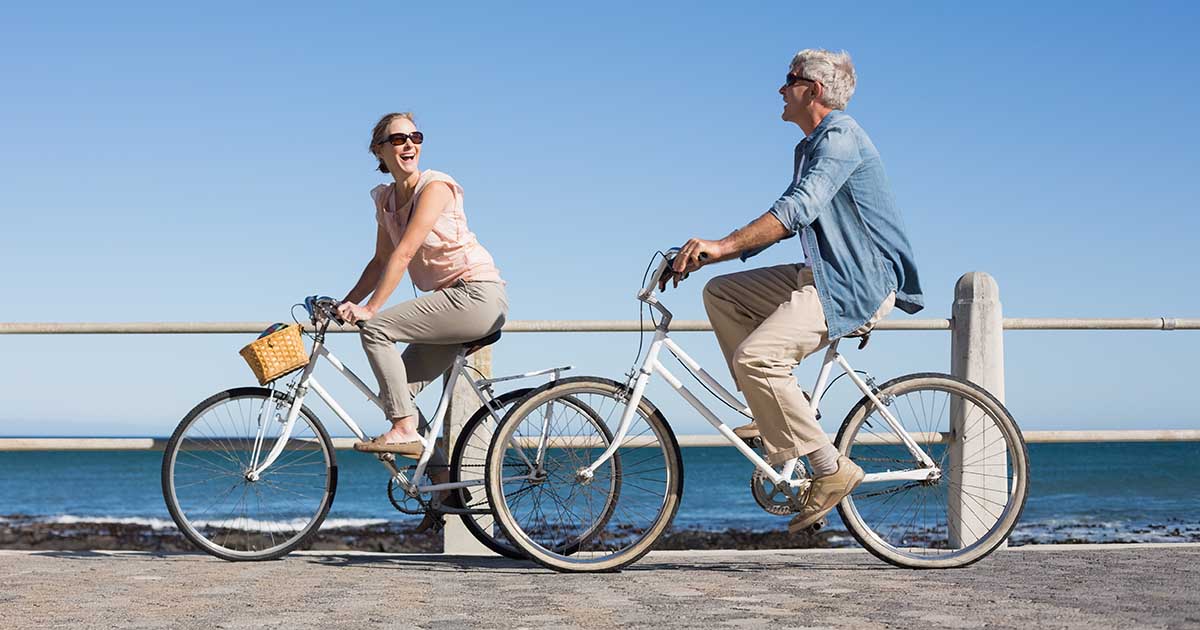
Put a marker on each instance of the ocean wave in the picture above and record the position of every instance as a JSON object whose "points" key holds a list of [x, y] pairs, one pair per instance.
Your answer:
{"points": [[242, 524]]}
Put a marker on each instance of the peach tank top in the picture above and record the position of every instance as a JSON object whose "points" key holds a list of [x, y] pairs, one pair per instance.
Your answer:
{"points": [[450, 252]]}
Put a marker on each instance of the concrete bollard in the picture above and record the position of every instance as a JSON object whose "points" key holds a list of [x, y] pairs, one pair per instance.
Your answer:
{"points": [[977, 354], [456, 540]]}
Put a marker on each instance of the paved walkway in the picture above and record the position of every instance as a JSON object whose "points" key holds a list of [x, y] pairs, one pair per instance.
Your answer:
{"points": [[1139, 586]]}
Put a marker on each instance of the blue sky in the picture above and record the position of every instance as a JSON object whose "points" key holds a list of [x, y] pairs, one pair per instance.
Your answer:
{"points": [[209, 163]]}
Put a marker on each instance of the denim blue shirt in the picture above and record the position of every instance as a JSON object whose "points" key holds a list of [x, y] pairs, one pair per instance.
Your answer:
{"points": [[840, 204]]}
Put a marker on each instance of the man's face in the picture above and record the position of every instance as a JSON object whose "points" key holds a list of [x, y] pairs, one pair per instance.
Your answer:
{"points": [[798, 93]]}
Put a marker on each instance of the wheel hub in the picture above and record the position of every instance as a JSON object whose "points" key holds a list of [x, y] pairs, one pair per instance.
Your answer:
{"points": [[584, 476]]}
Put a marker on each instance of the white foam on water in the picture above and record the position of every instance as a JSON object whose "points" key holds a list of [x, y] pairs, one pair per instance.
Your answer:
{"points": [[69, 519], [244, 524]]}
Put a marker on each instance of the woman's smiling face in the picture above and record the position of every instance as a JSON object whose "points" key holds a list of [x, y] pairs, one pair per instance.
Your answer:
{"points": [[401, 159]]}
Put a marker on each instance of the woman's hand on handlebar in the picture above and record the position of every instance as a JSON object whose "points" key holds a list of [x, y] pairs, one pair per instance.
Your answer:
{"points": [[694, 254], [354, 313]]}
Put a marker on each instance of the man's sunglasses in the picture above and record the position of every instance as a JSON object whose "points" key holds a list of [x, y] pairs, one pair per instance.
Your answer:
{"points": [[398, 139], [794, 78]]}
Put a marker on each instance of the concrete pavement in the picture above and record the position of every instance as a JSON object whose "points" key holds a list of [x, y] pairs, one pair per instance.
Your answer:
{"points": [[1084, 586]]}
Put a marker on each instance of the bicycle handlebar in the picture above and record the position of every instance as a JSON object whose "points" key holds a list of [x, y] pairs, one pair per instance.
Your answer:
{"points": [[663, 272], [324, 307]]}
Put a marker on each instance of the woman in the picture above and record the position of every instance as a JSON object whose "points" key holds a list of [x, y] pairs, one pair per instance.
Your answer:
{"points": [[423, 231]]}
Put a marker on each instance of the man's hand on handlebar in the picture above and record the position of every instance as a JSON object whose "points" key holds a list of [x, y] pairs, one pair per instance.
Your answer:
{"points": [[694, 254], [354, 313]]}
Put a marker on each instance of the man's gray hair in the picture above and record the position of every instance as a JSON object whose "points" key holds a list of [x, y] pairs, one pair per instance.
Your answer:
{"points": [[833, 69]]}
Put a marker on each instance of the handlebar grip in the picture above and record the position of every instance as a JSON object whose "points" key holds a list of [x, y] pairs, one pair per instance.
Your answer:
{"points": [[669, 271]]}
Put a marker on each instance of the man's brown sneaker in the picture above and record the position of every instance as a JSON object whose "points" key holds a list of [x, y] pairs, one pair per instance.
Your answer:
{"points": [[825, 493]]}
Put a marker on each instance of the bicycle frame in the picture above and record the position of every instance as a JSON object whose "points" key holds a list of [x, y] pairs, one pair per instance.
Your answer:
{"points": [[308, 382], [651, 365]]}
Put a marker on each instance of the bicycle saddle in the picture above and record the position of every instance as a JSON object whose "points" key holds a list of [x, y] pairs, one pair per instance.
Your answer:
{"points": [[479, 344], [865, 338]]}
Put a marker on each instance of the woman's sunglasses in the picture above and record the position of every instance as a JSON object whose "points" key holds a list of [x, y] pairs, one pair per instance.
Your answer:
{"points": [[398, 139]]}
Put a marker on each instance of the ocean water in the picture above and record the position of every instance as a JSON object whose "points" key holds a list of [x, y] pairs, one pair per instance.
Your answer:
{"points": [[1147, 492]]}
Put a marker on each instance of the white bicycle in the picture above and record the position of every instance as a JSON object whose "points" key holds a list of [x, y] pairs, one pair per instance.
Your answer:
{"points": [[947, 471], [250, 473]]}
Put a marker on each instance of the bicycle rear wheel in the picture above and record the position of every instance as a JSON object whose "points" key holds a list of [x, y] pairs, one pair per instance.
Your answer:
{"points": [[954, 518], [570, 521], [207, 489], [470, 460], [470, 456]]}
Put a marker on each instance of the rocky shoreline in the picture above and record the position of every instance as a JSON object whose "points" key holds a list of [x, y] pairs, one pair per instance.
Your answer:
{"points": [[18, 532]]}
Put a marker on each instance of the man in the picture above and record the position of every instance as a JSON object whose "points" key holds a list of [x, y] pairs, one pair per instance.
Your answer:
{"points": [[857, 265]]}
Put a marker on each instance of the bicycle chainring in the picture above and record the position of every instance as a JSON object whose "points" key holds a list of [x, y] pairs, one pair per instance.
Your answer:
{"points": [[403, 501], [780, 501]]}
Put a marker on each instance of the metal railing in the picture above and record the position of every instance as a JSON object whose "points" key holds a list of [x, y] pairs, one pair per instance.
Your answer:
{"points": [[977, 354], [580, 325], [159, 443]]}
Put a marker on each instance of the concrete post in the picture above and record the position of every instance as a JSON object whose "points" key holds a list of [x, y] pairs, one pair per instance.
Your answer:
{"points": [[977, 354], [456, 540]]}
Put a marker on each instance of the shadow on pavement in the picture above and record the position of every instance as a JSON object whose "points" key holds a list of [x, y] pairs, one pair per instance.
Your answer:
{"points": [[751, 566], [427, 562]]}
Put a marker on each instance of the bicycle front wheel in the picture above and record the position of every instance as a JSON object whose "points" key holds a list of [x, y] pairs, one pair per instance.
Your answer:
{"points": [[211, 495], [968, 504], [549, 506]]}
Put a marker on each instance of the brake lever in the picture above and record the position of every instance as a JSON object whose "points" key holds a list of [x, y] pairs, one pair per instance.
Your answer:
{"points": [[669, 272], [332, 314]]}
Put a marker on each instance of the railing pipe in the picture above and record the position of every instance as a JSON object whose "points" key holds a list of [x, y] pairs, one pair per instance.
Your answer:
{"points": [[599, 325]]}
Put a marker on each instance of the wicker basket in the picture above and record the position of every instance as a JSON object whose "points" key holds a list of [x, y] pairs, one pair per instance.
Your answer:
{"points": [[279, 353]]}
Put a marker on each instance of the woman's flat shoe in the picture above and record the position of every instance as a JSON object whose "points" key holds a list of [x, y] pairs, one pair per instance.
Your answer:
{"points": [[411, 449]]}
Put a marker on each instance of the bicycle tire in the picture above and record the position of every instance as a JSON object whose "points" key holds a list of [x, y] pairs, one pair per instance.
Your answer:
{"points": [[478, 431], [188, 519], [959, 550], [467, 440], [593, 554]]}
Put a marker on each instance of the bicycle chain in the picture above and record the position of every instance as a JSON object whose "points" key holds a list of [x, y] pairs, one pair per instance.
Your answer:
{"points": [[880, 493]]}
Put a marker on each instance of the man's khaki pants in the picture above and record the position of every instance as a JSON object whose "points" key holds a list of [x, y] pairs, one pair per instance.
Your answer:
{"points": [[766, 321]]}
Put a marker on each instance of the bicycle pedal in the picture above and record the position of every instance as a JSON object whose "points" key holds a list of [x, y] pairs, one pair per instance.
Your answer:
{"points": [[816, 527], [433, 523], [754, 442]]}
